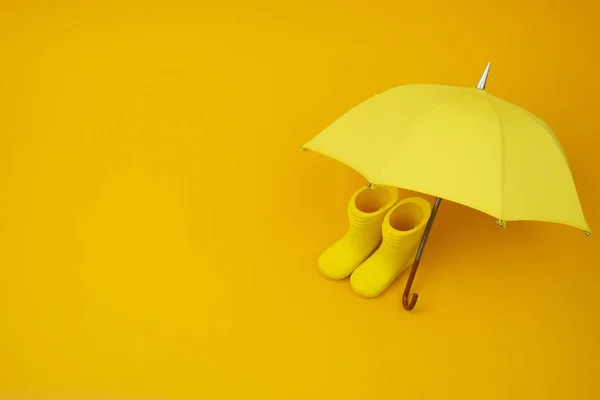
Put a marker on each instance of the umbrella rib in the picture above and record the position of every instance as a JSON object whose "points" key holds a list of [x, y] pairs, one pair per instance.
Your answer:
{"points": [[502, 157], [541, 123], [412, 129]]}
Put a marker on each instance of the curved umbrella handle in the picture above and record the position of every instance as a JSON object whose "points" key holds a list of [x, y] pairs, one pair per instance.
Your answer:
{"points": [[409, 305]]}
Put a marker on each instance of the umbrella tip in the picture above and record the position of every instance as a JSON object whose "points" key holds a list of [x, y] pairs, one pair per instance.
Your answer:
{"points": [[587, 233], [483, 79]]}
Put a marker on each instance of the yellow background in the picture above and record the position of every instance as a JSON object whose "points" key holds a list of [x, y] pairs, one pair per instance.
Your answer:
{"points": [[159, 227]]}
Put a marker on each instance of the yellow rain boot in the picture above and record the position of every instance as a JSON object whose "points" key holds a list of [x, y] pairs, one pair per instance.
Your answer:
{"points": [[402, 229], [366, 211]]}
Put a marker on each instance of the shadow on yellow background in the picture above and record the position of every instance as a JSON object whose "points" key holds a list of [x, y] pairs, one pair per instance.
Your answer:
{"points": [[159, 227]]}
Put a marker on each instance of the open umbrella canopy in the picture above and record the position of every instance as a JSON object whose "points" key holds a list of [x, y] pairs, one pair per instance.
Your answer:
{"points": [[462, 144]]}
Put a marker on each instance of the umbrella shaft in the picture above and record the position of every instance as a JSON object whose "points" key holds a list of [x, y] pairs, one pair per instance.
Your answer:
{"points": [[436, 206]]}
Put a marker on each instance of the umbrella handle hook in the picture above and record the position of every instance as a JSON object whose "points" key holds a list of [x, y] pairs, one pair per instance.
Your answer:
{"points": [[409, 305]]}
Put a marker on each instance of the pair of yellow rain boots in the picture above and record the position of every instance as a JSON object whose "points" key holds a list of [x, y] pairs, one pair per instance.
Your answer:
{"points": [[381, 242]]}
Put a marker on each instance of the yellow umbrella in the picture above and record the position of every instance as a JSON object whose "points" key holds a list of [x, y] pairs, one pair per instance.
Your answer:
{"points": [[462, 144]]}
